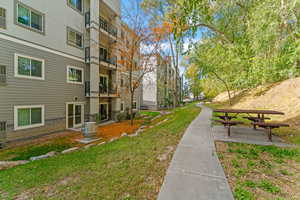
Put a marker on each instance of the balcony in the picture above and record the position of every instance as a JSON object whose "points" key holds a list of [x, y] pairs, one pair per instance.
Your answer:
{"points": [[87, 55], [87, 20], [107, 91], [109, 60], [104, 91], [108, 27]]}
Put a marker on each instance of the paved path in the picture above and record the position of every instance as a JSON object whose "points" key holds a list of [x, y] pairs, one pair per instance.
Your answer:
{"points": [[195, 172]]}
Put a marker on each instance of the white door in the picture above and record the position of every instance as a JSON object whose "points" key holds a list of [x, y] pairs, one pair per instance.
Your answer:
{"points": [[75, 115]]}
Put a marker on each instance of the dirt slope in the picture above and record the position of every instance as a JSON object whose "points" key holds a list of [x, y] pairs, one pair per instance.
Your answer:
{"points": [[284, 96]]}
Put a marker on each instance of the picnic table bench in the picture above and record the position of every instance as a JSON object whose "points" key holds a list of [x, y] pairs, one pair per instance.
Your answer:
{"points": [[269, 127], [228, 124], [223, 117], [256, 121]]}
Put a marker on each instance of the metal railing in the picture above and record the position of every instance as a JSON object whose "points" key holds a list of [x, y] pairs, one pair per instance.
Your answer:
{"points": [[87, 55], [87, 88], [110, 60], [109, 90], [87, 20], [103, 89], [108, 27]]}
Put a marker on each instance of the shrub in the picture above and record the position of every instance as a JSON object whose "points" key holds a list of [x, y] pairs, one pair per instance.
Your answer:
{"points": [[121, 116]]}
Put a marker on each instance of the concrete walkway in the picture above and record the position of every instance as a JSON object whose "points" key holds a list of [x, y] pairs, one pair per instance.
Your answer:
{"points": [[195, 172]]}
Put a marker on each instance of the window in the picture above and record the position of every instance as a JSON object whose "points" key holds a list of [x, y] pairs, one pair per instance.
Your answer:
{"points": [[30, 18], [74, 75], [134, 105], [122, 82], [104, 55], [122, 107], [74, 38], [28, 116], [76, 4], [2, 18], [103, 84], [2, 74], [29, 67]]}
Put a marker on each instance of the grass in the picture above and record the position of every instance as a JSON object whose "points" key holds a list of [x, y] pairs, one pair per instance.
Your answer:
{"points": [[25, 152], [261, 172], [151, 114], [122, 169]]}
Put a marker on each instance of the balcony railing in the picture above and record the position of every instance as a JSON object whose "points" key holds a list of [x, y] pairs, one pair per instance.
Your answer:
{"points": [[87, 55], [87, 88], [108, 27], [103, 90], [87, 17], [107, 90], [110, 60]]}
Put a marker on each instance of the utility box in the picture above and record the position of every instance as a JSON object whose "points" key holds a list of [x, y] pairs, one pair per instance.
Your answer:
{"points": [[89, 129]]}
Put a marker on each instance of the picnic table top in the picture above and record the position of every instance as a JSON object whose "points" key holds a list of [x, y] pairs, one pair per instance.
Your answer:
{"points": [[271, 112]]}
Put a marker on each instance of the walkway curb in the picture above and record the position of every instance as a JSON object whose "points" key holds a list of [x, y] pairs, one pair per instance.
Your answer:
{"points": [[195, 172]]}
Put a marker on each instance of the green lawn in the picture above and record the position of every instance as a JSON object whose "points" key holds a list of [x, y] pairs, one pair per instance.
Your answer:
{"points": [[127, 168], [261, 172], [151, 114], [27, 151]]}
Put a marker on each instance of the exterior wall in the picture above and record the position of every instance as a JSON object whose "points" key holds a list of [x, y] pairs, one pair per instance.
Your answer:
{"points": [[150, 88], [56, 24], [159, 86], [125, 95], [115, 5], [53, 92]]}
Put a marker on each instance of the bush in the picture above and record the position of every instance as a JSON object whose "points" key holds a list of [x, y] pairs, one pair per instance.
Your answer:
{"points": [[121, 116], [126, 115]]}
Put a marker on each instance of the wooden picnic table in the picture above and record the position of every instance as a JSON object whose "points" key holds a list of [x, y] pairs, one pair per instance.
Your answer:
{"points": [[260, 113], [257, 121]]}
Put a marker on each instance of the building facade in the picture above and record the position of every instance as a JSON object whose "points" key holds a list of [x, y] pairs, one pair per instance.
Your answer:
{"points": [[58, 65], [159, 86]]}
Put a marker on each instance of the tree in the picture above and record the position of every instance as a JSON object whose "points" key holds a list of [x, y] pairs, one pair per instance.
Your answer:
{"points": [[158, 10], [244, 43], [136, 50]]}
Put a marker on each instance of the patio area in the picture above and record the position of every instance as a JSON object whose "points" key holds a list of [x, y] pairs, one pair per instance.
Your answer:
{"points": [[247, 135]]}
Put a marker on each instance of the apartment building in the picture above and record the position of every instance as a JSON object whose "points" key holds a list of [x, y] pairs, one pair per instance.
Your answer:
{"points": [[126, 40], [58, 67], [159, 86]]}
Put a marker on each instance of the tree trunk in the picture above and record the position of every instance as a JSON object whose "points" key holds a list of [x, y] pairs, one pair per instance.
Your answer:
{"points": [[131, 109], [227, 87]]}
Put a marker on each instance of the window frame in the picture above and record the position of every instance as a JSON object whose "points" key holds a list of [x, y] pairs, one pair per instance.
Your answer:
{"points": [[75, 8], [107, 81], [76, 68], [4, 17], [16, 63], [16, 108], [74, 44], [29, 27]]}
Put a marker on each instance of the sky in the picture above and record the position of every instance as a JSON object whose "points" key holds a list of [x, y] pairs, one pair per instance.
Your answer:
{"points": [[131, 5]]}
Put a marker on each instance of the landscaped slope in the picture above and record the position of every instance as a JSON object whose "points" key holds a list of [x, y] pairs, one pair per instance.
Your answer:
{"points": [[128, 168], [283, 96]]}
